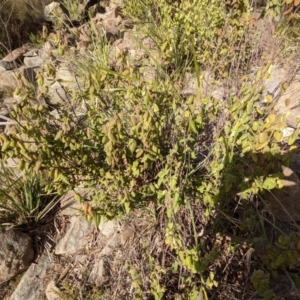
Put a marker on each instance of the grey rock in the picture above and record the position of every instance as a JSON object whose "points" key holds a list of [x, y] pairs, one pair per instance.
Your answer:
{"points": [[8, 81], [65, 81], [16, 254], [52, 291], [108, 228], [75, 237], [56, 11], [81, 259], [47, 48], [111, 25], [111, 245], [33, 61], [6, 65], [97, 275], [32, 285], [31, 53], [99, 272], [289, 102], [287, 131]]}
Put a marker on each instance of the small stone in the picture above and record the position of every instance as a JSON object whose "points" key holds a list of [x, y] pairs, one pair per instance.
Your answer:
{"points": [[32, 285], [97, 275], [108, 228], [33, 61], [56, 10], [31, 53], [16, 253], [75, 237], [6, 65], [52, 291]]}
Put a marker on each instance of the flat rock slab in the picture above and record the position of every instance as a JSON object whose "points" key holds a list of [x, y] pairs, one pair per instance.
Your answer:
{"points": [[99, 272], [52, 291], [16, 254], [34, 61], [8, 80], [75, 237], [69, 205], [16, 54], [32, 286], [288, 102], [108, 228]]}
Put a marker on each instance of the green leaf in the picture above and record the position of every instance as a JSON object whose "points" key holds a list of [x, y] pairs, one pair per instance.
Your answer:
{"points": [[278, 136], [263, 137]]}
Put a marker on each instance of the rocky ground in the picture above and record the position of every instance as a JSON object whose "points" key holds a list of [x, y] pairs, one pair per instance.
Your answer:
{"points": [[89, 256]]}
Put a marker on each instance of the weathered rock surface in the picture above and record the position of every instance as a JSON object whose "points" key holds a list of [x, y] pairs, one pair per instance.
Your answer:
{"points": [[16, 55], [289, 102], [52, 291], [6, 65], [16, 253], [75, 237], [8, 80], [56, 11], [65, 81], [32, 285], [33, 61]]}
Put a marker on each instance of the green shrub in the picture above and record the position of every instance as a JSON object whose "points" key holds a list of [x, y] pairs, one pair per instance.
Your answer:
{"points": [[215, 28], [138, 142]]}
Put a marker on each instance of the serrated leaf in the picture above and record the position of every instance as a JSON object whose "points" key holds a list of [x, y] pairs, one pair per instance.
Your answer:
{"points": [[292, 138], [270, 183], [249, 107]]}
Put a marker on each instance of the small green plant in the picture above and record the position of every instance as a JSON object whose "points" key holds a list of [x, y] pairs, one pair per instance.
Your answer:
{"points": [[23, 200], [260, 281], [36, 40]]}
